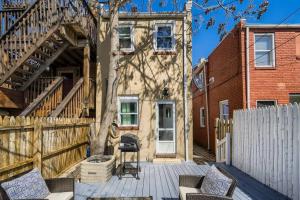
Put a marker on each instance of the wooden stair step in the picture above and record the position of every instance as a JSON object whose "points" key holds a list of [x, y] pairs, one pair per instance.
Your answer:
{"points": [[39, 51], [39, 60]]}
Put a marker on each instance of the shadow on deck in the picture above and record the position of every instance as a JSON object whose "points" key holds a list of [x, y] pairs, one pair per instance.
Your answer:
{"points": [[161, 182], [250, 186]]}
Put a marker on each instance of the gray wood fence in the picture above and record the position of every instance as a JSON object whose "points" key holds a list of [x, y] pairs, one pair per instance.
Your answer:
{"points": [[266, 145]]}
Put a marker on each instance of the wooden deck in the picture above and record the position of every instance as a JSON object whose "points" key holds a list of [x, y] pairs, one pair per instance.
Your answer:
{"points": [[161, 182]]}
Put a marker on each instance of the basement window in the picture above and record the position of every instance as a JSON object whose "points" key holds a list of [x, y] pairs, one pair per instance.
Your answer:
{"points": [[128, 111], [264, 50], [265, 103], [294, 98], [164, 37], [126, 38]]}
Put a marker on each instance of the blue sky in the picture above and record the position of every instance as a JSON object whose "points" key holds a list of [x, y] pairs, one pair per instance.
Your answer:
{"points": [[204, 41]]}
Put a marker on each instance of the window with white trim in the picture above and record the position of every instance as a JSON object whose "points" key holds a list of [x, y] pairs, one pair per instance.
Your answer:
{"points": [[164, 37], [202, 117], [126, 37], [265, 103], [224, 109], [128, 111], [264, 50]]}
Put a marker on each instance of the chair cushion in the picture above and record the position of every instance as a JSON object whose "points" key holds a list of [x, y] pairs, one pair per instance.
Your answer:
{"points": [[186, 190], [60, 196], [29, 186], [215, 182]]}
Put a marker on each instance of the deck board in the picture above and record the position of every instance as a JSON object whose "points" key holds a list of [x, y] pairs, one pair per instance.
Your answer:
{"points": [[161, 182]]}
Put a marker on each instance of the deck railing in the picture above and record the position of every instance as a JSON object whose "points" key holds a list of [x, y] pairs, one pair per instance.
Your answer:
{"points": [[51, 144], [47, 101], [43, 18]]}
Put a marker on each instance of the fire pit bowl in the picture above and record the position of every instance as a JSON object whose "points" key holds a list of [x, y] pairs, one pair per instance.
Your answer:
{"points": [[97, 169]]}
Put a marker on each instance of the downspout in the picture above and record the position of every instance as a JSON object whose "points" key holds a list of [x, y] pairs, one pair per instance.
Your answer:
{"points": [[186, 131], [206, 103], [248, 68]]}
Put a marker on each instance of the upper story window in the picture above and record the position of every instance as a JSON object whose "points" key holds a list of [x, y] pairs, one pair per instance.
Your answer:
{"points": [[164, 37], [264, 50], [128, 111], [126, 37]]}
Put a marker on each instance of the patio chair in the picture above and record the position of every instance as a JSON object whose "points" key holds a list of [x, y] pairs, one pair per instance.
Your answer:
{"points": [[59, 188], [189, 187]]}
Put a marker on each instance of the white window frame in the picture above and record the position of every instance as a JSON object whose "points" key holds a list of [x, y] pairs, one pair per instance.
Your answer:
{"points": [[202, 118], [173, 31], [221, 114], [128, 99], [275, 101], [131, 49], [272, 49]]}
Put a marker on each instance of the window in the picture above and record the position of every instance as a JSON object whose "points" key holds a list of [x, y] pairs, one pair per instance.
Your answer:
{"points": [[164, 39], [126, 38], [294, 98], [264, 50], [265, 103], [224, 110], [128, 111], [202, 117]]}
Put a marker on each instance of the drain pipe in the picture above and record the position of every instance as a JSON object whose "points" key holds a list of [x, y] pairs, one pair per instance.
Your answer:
{"points": [[186, 138], [248, 68]]}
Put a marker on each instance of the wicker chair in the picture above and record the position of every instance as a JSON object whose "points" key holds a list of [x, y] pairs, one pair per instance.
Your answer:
{"points": [[196, 182], [56, 185]]}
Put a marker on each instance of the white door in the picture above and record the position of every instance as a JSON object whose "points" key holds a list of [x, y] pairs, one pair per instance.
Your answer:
{"points": [[165, 128]]}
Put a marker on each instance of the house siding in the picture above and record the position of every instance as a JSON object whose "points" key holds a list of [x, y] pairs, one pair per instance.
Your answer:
{"points": [[143, 73]]}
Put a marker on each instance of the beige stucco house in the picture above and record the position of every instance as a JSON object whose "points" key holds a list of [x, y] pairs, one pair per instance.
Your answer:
{"points": [[154, 97]]}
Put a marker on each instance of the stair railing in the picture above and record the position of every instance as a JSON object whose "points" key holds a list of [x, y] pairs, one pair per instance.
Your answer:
{"points": [[73, 104], [8, 17], [36, 88], [40, 19], [47, 101]]}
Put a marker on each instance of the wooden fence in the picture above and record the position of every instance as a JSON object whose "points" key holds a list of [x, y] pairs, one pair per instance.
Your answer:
{"points": [[223, 131], [266, 145], [51, 144]]}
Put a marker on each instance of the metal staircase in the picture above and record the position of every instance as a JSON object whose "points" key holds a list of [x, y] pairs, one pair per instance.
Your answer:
{"points": [[39, 36]]}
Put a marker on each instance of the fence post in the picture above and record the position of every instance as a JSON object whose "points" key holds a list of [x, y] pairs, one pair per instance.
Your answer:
{"points": [[37, 144], [228, 153]]}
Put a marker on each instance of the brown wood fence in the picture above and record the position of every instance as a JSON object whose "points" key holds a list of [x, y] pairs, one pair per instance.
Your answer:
{"points": [[51, 144]]}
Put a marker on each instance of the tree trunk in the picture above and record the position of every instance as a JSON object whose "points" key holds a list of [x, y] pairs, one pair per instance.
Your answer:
{"points": [[113, 79]]}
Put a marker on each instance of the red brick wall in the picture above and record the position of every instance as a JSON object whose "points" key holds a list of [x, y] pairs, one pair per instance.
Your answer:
{"points": [[279, 82], [199, 133], [227, 64], [225, 67]]}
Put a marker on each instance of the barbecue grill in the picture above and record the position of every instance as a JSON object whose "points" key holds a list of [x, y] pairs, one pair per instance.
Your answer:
{"points": [[129, 143]]}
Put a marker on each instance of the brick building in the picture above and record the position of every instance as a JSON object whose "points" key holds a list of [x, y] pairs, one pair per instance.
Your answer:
{"points": [[255, 65]]}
